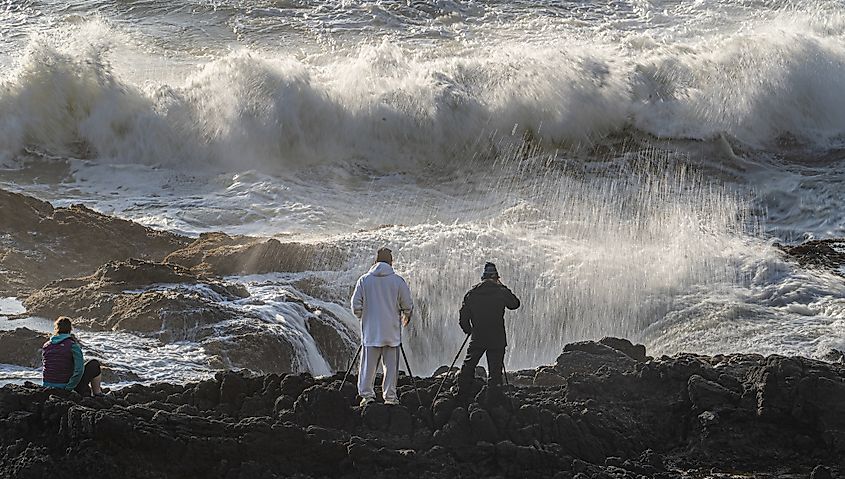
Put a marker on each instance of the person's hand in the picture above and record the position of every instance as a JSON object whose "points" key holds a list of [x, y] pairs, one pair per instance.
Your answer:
{"points": [[406, 319]]}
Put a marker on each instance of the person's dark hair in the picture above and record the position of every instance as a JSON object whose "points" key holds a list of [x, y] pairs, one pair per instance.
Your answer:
{"points": [[63, 325], [384, 255]]}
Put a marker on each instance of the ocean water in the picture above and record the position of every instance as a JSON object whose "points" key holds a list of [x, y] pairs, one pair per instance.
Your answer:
{"points": [[628, 165]]}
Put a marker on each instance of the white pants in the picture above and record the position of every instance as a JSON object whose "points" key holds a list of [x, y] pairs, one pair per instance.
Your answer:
{"points": [[367, 376]]}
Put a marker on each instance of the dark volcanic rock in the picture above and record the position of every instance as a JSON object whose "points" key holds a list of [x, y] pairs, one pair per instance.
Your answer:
{"points": [[336, 341], [633, 351], [587, 357], [254, 345], [22, 347], [671, 417], [706, 394], [547, 376], [323, 407], [821, 472], [828, 254], [39, 243]]}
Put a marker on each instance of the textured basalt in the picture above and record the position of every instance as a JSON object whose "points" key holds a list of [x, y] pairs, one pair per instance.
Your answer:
{"points": [[680, 416]]}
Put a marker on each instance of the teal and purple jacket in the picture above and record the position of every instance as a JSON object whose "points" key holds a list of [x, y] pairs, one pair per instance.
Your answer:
{"points": [[63, 363]]}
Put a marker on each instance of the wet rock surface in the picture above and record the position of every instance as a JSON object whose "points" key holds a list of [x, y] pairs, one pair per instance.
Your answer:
{"points": [[40, 243], [133, 296], [222, 255], [22, 347], [170, 303], [681, 416], [827, 254]]}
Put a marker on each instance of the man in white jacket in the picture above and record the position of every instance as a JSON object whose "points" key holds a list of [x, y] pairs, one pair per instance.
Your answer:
{"points": [[382, 301]]}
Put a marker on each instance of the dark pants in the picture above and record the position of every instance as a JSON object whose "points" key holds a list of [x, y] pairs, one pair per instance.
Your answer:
{"points": [[495, 364], [92, 370]]}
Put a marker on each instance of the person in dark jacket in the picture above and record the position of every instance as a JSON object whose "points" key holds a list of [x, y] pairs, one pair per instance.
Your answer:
{"points": [[64, 367], [483, 316]]}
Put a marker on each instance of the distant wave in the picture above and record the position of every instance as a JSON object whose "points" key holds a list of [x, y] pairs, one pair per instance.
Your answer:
{"points": [[390, 110]]}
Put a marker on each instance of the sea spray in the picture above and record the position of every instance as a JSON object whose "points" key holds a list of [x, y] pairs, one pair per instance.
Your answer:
{"points": [[589, 257]]}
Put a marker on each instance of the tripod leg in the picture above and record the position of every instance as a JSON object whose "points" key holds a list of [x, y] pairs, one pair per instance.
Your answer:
{"points": [[450, 367], [507, 383], [349, 369], [413, 378]]}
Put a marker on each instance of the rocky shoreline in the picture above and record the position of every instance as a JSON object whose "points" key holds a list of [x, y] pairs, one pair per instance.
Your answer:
{"points": [[109, 274], [603, 410]]}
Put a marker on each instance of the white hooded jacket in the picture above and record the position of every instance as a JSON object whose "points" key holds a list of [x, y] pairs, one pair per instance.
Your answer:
{"points": [[380, 298]]}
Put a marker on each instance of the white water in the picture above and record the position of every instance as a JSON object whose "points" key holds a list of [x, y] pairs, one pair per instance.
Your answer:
{"points": [[669, 144]]}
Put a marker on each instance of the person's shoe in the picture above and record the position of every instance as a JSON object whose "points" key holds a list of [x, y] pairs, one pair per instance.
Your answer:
{"points": [[391, 402], [366, 401]]}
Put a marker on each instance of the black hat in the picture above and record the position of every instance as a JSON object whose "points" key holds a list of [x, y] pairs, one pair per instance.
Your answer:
{"points": [[489, 271]]}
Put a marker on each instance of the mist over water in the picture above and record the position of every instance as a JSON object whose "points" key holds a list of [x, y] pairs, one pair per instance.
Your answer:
{"points": [[626, 165]]}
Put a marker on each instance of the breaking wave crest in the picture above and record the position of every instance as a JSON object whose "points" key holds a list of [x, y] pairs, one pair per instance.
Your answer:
{"points": [[389, 108]]}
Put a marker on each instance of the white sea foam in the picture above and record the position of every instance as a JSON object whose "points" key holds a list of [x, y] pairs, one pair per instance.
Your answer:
{"points": [[391, 108], [11, 305]]}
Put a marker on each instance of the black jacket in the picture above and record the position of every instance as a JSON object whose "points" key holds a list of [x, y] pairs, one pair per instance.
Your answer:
{"points": [[483, 313]]}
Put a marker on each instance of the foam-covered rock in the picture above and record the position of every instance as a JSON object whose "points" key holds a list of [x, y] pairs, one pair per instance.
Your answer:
{"points": [[171, 303]]}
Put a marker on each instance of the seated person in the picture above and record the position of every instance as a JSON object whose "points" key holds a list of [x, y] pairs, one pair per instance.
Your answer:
{"points": [[64, 367]]}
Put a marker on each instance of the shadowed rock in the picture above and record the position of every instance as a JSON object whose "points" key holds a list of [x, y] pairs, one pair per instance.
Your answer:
{"points": [[581, 358], [633, 351], [22, 347], [707, 395], [251, 344], [743, 414]]}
